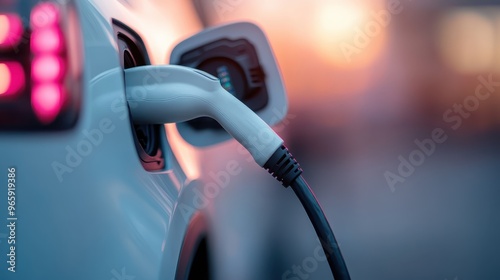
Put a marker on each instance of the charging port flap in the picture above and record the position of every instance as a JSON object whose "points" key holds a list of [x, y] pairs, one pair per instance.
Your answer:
{"points": [[240, 56]]}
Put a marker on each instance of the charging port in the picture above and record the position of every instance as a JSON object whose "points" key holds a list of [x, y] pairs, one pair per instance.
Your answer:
{"points": [[147, 137]]}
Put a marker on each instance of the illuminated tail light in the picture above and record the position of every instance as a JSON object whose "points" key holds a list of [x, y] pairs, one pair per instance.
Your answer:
{"points": [[40, 69], [48, 61], [47, 68], [45, 15], [11, 78], [11, 30], [47, 100], [46, 40]]}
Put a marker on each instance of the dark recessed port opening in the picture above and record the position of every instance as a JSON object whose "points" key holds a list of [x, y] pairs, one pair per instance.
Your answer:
{"points": [[133, 53], [200, 268], [194, 258]]}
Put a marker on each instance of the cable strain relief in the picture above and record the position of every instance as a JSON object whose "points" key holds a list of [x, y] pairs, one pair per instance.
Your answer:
{"points": [[283, 166]]}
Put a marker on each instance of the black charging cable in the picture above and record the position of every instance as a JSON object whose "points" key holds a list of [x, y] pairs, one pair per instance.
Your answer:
{"points": [[283, 166], [189, 93]]}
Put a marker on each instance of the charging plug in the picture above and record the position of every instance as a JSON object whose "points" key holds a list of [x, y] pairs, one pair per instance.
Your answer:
{"points": [[180, 94]]}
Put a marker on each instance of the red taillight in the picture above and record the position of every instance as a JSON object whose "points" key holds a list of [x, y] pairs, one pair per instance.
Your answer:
{"points": [[11, 30], [40, 65], [44, 15], [46, 40], [47, 101], [12, 79], [47, 68], [48, 63]]}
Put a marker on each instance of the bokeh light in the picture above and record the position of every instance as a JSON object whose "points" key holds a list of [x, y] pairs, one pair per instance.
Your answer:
{"points": [[467, 41]]}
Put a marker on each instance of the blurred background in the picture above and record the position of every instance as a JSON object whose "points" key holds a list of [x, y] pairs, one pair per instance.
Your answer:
{"points": [[366, 79]]}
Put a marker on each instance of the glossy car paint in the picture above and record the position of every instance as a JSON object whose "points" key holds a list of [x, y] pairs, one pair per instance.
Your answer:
{"points": [[106, 217]]}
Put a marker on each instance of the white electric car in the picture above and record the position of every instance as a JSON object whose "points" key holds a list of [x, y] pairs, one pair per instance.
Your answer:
{"points": [[84, 192]]}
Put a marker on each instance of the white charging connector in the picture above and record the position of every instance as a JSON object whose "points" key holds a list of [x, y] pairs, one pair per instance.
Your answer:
{"points": [[180, 94]]}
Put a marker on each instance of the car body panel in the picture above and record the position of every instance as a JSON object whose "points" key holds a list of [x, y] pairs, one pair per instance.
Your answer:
{"points": [[87, 208], [119, 220]]}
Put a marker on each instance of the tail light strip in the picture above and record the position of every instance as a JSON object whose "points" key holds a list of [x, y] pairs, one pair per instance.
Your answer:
{"points": [[47, 68]]}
